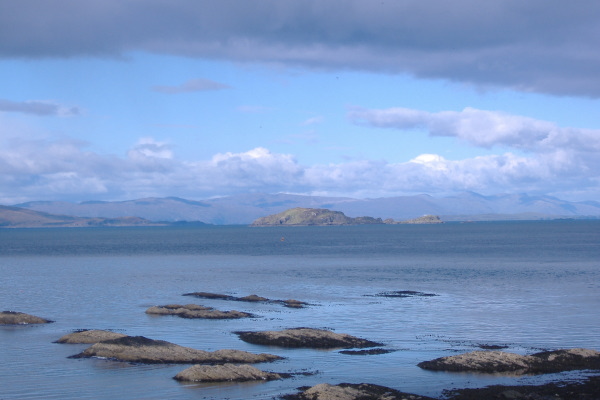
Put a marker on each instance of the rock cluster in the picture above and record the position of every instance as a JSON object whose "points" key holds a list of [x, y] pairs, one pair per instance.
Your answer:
{"points": [[19, 318], [305, 337], [253, 298], [143, 350]]}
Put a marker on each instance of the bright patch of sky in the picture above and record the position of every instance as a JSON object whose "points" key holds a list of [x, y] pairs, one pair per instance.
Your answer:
{"points": [[371, 103]]}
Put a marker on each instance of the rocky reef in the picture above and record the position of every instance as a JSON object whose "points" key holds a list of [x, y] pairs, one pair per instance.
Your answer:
{"points": [[306, 338], [196, 311], [499, 362], [19, 318], [143, 350], [89, 336], [225, 373]]}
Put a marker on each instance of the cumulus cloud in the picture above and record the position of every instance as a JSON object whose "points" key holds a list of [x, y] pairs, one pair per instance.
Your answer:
{"points": [[65, 169], [193, 85], [541, 46], [484, 128], [41, 108]]}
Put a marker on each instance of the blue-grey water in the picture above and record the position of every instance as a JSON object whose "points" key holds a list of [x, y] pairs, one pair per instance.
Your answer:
{"points": [[526, 285]]}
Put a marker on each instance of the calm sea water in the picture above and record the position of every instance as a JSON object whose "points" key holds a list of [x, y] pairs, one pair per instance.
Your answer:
{"points": [[527, 285]]}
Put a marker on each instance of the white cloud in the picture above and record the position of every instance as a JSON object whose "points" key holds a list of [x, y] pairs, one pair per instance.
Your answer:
{"points": [[40, 108], [484, 128]]}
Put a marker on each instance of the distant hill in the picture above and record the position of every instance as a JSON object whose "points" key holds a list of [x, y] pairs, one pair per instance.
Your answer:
{"points": [[312, 216], [244, 209], [14, 217]]}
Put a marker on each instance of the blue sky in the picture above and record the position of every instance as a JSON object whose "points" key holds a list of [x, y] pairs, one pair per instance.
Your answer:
{"points": [[116, 100]]}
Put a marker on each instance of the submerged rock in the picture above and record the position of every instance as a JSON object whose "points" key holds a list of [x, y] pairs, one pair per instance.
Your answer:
{"points": [[143, 350], [225, 373], [405, 293], [499, 361], [19, 318], [305, 337], [367, 352], [196, 311], [347, 391], [89, 336]]}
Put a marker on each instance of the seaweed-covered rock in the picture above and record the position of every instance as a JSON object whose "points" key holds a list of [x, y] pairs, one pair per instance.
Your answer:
{"points": [[305, 337], [196, 311], [143, 350], [19, 318], [499, 361], [347, 391], [89, 336], [225, 373]]}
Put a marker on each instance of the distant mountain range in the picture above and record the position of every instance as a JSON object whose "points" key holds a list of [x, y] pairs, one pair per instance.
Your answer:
{"points": [[15, 217], [244, 209]]}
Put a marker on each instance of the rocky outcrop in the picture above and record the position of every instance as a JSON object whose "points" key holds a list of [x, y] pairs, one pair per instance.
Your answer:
{"points": [[89, 336], [499, 361], [225, 373], [19, 318], [196, 311], [307, 338], [143, 350], [253, 298], [347, 391], [425, 219], [312, 216]]}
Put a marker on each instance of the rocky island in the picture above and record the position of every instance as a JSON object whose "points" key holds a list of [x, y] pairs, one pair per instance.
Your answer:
{"points": [[323, 217]]}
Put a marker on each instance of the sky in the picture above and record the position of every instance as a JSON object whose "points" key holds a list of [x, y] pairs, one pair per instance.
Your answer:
{"points": [[125, 99]]}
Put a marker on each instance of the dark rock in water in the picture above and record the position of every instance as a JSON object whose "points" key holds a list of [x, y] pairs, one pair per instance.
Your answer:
{"points": [[143, 350], [492, 346], [196, 311], [587, 389], [250, 299], [89, 336], [306, 338], [498, 362], [347, 391], [206, 295], [225, 373], [367, 352], [405, 293], [253, 298], [19, 318]]}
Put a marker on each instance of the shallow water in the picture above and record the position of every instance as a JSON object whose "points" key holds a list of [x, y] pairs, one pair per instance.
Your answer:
{"points": [[527, 285]]}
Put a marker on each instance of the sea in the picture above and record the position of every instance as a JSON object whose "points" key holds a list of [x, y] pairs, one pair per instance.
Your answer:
{"points": [[523, 286]]}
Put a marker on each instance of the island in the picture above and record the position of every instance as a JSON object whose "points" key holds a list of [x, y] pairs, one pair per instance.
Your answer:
{"points": [[323, 217]]}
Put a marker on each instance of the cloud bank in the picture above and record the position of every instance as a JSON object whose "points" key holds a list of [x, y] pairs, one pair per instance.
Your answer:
{"points": [[539, 46], [62, 169]]}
